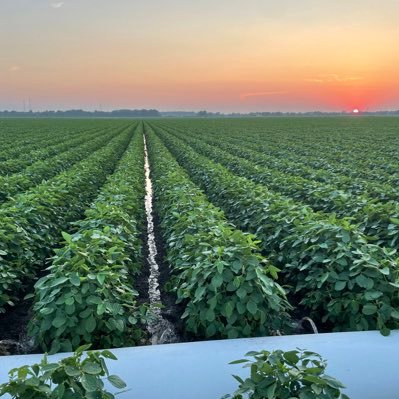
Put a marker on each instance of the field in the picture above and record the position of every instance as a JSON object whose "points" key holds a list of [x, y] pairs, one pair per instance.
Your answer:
{"points": [[257, 224]]}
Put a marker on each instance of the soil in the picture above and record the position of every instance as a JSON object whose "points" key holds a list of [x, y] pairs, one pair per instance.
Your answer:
{"points": [[13, 330], [171, 311]]}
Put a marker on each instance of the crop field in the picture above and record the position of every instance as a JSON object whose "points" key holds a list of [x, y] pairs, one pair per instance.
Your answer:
{"points": [[258, 225]]}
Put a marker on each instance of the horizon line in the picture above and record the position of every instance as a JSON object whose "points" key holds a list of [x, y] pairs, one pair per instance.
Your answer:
{"points": [[200, 110]]}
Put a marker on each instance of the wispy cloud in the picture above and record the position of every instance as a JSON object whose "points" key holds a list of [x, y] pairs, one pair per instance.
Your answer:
{"points": [[333, 77], [57, 5], [261, 94], [14, 68]]}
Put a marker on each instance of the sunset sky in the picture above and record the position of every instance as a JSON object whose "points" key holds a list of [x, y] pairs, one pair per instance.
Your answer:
{"points": [[219, 55]]}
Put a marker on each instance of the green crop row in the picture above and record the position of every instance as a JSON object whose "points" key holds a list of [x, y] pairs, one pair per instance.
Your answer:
{"points": [[55, 144], [218, 274], [277, 161], [31, 222], [378, 221], [10, 185], [339, 161], [339, 276], [31, 141], [87, 297], [331, 147], [340, 180], [18, 145]]}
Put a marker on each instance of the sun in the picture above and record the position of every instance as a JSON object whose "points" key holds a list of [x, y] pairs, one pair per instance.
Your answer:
{"points": [[355, 111]]}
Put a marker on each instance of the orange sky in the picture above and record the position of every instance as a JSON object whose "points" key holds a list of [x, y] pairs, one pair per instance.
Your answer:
{"points": [[225, 55]]}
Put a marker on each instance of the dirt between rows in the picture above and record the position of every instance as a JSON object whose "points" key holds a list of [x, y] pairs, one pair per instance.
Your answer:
{"points": [[14, 339]]}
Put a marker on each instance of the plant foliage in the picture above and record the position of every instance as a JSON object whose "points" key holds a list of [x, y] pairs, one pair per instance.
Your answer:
{"points": [[75, 377], [295, 374], [88, 296], [227, 287]]}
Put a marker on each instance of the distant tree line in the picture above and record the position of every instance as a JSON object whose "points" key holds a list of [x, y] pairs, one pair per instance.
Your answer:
{"points": [[207, 114], [79, 113], [150, 113]]}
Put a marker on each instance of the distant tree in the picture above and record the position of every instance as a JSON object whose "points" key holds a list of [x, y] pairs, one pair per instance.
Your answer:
{"points": [[79, 113]]}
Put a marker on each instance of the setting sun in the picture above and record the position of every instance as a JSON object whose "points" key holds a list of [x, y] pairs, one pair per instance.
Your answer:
{"points": [[355, 111]]}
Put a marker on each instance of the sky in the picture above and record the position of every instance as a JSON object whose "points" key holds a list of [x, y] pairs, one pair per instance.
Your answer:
{"points": [[218, 55]]}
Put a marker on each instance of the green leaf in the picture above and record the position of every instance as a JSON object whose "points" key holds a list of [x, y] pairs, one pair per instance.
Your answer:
{"points": [[72, 371], [69, 301], [59, 392], [395, 314], [58, 322], [219, 267], [116, 382], [252, 307], [91, 368], [101, 278], [364, 282], [292, 357], [93, 299], [239, 361], [345, 236], [217, 281], [33, 382], [271, 389], [210, 315], [109, 355], [340, 285], [46, 311], [74, 279], [67, 237], [29, 296], [241, 292], [372, 295], [58, 281], [50, 367], [89, 382], [229, 308], [90, 324], [369, 309], [101, 308]]}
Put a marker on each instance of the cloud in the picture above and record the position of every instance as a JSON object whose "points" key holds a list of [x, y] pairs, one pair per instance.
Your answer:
{"points": [[333, 77], [261, 94], [57, 5], [14, 68]]}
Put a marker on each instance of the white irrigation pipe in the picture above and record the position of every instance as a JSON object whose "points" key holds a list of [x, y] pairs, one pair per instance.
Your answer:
{"points": [[366, 362]]}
